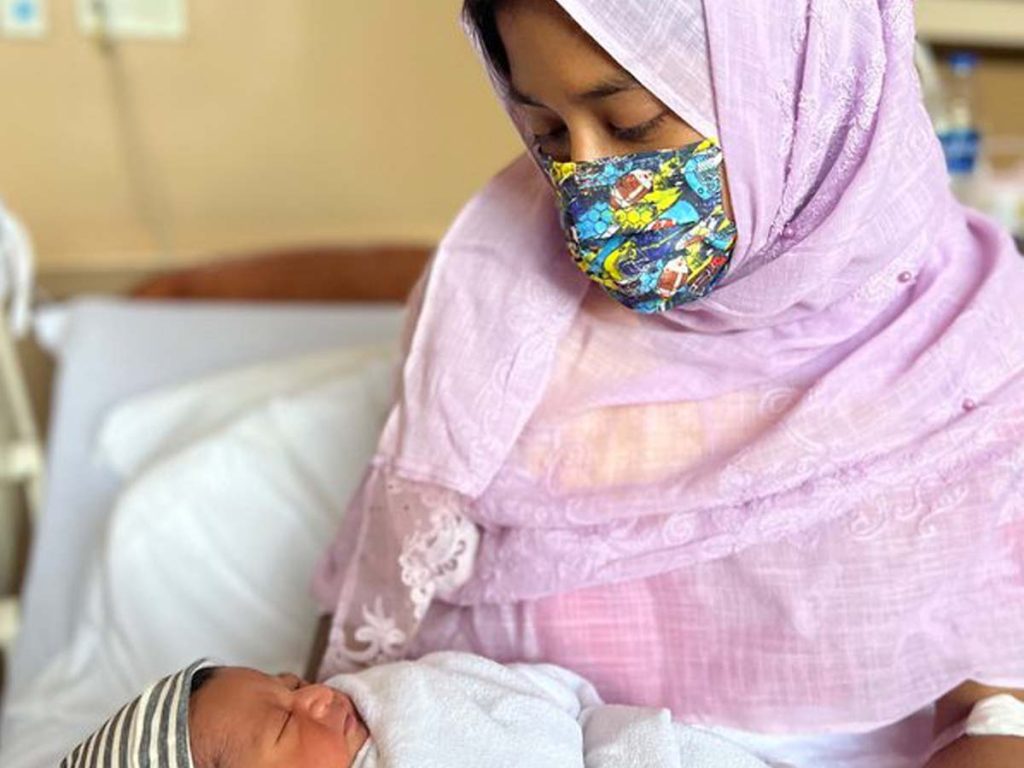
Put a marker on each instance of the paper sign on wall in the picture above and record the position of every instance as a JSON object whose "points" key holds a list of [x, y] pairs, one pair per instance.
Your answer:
{"points": [[166, 19]]}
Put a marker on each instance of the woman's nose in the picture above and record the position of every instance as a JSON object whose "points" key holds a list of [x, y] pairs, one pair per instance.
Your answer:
{"points": [[591, 139], [585, 146]]}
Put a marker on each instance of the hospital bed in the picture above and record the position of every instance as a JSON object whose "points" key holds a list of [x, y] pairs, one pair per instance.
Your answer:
{"points": [[176, 329]]}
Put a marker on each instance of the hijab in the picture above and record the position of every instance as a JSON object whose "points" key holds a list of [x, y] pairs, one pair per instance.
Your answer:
{"points": [[817, 469]]}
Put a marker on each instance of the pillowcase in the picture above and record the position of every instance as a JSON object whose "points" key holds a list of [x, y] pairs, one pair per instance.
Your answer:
{"points": [[147, 428]]}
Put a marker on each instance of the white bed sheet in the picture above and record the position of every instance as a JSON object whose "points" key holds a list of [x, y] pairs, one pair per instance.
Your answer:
{"points": [[110, 350]]}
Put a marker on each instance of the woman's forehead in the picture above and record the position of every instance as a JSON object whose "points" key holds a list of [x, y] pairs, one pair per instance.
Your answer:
{"points": [[548, 50]]}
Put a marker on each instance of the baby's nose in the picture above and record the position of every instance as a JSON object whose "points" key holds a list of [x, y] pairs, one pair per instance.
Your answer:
{"points": [[315, 700]]}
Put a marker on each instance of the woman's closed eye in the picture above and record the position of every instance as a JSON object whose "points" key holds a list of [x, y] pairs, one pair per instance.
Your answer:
{"points": [[636, 134], [643, 131], [557, 134]]}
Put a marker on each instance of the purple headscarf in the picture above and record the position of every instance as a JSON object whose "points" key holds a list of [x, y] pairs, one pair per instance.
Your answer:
{"points": [[794, 505]]}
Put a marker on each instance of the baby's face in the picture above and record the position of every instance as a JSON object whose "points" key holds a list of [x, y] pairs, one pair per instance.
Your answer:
{"points": [[242, 718]]}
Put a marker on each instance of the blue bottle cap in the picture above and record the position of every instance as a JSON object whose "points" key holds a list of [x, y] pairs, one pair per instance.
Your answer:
{"points": [[963, 60]]}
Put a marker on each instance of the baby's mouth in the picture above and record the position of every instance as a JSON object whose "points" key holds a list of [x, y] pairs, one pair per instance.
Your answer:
{"points": [[349, 718]]}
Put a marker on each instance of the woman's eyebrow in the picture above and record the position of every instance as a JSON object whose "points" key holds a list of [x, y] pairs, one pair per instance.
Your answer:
{"points": [[521, 98], [610, 87], [602, 90]]}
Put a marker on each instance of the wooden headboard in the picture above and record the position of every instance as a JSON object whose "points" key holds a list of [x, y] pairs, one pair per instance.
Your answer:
{"points": [[328, 274]]}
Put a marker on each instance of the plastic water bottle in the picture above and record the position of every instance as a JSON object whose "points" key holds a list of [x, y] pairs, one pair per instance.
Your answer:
{"points": [[959, 131]]}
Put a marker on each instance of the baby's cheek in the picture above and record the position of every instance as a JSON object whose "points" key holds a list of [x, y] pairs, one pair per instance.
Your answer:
{"points": [[325, 749]]}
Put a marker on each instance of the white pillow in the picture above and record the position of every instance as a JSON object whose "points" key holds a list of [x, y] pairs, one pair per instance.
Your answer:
{"points": [[149, 427], [210, 553], [212, 550]]}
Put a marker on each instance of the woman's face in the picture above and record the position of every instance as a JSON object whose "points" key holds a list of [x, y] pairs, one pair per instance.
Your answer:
{"points": [[577, 102], [244, 718]]}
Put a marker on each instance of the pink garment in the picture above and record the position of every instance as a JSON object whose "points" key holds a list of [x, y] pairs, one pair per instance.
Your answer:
{"points": [[795, 506]]}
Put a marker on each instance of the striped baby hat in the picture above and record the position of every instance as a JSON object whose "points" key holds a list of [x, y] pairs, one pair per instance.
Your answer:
{"points": [[149, 732]]}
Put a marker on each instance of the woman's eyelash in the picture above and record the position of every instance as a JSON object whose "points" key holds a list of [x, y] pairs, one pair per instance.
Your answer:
{"points": [[550, 136], [635, 133], [638, 132]]}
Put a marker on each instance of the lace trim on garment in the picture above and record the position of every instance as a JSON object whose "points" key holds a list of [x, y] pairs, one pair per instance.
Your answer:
{"points": [[438, 559], [434, 561], [379, 637]]}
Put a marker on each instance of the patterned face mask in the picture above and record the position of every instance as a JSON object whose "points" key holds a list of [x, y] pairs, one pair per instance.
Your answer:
{"points": [[650, 228]]}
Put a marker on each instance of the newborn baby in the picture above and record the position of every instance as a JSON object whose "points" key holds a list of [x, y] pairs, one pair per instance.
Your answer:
{"points": [[448, 709]]}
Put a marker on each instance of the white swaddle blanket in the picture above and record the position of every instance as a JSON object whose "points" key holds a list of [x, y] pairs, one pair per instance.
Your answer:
{"points": [[455, 709]]}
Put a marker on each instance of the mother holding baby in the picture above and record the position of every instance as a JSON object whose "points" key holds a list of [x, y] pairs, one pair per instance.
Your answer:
{"points": [[715, 396]]}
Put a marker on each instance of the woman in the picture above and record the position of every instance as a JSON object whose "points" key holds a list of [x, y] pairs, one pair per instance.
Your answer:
{"points": [[764, 466]]}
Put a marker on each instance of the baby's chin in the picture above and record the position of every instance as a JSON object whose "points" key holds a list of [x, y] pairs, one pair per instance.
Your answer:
{"points": [[358, 736]]}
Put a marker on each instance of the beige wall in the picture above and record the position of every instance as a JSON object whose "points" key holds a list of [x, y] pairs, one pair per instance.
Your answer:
{"points": [[274, 123]]}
